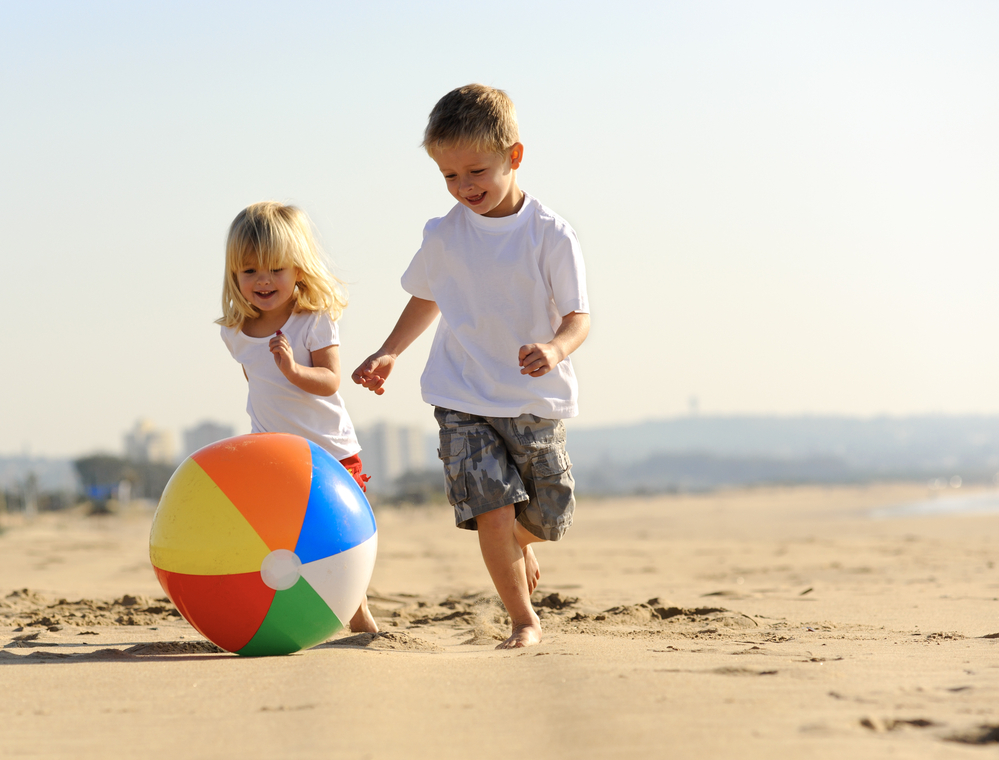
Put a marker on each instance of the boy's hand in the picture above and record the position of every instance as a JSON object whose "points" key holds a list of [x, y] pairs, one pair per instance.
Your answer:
{"points": [[537, 359], [283, 356], [373, 372]]}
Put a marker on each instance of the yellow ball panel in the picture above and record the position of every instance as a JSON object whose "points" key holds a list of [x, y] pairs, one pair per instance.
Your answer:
{"points": [[198, 531]]}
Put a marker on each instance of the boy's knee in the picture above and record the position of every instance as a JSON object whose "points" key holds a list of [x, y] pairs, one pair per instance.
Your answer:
{"points": [[501, 518]]}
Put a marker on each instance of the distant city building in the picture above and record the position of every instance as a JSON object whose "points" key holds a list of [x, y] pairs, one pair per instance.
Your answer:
{"points": [[389, 451], [203, 434], [145, 443]]}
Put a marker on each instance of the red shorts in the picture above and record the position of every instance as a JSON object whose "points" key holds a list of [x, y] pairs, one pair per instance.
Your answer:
{"points": [[353, 466]]}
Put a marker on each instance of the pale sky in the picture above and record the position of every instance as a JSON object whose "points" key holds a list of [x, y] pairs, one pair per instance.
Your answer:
{"points": [[784, 207]]}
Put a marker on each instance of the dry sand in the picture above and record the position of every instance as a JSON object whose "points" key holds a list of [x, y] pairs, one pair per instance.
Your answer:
{"points": [[759, 623]]}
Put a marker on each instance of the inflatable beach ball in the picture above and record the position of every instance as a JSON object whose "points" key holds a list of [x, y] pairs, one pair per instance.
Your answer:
{"points": [[264, 542]]}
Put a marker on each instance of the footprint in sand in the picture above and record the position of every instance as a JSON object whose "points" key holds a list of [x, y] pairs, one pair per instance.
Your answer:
{"points": [[384, 640]]}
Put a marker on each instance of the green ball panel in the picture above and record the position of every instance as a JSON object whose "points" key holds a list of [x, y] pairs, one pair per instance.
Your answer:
{"points": [[298, 619]]}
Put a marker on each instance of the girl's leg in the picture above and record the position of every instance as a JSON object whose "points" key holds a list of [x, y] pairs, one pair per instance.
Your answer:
{"points": [[363, 621]]}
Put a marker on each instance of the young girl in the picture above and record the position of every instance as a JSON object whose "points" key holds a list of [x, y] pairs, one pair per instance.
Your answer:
{"points": [[280, 305]]}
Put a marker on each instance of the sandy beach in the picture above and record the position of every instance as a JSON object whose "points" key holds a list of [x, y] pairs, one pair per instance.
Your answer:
{"points": [[759, 623]]}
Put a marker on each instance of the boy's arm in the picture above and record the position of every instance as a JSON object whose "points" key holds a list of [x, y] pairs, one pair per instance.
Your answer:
{"points": [[418, 315], [537, 359]]}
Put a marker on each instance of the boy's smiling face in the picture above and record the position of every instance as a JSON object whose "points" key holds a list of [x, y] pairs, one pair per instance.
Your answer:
{"points": [[485, 182]]}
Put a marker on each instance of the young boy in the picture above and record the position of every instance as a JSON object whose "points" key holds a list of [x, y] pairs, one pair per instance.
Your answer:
{"points": [[506, 275]]}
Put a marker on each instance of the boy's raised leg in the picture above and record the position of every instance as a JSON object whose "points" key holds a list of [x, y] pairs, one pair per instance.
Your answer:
{"points": [[505, 560], [532, 569]]}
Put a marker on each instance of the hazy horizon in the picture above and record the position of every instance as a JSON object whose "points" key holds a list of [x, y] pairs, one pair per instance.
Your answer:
{"points": [[784, 208], [627, 447]]}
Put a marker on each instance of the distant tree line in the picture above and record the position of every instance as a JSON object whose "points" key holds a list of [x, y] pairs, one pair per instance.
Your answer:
{"points": [[414, 487], [102, 474]]}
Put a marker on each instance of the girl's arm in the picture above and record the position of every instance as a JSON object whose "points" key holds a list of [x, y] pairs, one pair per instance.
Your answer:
{"points": [[418, 315], [321, 379]]}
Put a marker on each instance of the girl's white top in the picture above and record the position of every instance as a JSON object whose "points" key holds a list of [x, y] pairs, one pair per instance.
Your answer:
{"points": [[500, 283], [277, 406]]}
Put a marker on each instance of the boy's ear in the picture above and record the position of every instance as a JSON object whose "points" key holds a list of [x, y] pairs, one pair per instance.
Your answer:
{"points": [[516, 155]]}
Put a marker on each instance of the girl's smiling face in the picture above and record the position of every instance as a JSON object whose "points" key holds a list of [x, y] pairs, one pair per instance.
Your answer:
{"points": [[484, 182], [269, 290]]}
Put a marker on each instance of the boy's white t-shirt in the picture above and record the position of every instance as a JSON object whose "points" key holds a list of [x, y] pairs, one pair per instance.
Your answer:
{"points": [[500, 283], [277, 406]]}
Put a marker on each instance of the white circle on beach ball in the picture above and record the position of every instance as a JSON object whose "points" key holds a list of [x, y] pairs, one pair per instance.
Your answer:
{"points": [[281, 569]]}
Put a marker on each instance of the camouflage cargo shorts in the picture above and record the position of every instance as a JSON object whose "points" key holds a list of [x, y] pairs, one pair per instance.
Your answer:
{"points": [[490, 462]]}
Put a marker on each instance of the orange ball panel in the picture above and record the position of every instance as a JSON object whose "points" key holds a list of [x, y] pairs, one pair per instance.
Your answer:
{"points": [[275, 499]]}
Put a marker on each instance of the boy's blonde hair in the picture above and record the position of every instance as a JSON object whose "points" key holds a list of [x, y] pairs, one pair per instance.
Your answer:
{"points": [[474, 116], [271, 235]]}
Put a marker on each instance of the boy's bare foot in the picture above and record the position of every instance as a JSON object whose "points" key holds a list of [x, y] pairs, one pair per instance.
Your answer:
{"points": [[533, 569], [506, 560], [526, 635], [363, 621]]}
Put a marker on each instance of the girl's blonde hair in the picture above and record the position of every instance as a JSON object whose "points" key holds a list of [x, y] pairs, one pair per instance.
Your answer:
{"points": [[271, 236]]}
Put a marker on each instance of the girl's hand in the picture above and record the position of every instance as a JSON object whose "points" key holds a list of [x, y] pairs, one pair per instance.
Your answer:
{"points": [[283, 356]]}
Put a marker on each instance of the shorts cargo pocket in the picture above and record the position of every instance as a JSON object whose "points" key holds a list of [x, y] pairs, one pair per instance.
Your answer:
{"points": [[452, 454], [549, 465]]}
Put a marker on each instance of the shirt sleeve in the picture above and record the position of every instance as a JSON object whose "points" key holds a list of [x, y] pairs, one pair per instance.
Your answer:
{"points": [[416, 278], [323, 333], [227, 333], [566, 274]]}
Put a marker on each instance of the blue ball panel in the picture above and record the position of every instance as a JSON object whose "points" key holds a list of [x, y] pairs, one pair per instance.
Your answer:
{"points": [[338, 516]]}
